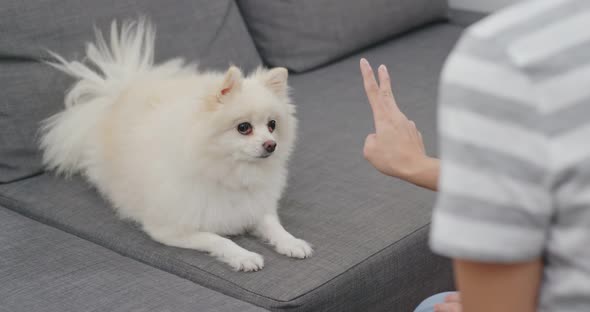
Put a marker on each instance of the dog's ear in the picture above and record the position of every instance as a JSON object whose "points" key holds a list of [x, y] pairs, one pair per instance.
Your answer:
{"points": [[232, 82], [276, 80]]}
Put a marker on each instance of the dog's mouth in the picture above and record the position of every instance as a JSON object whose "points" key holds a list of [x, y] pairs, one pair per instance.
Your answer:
{"points": [[264, 156]]}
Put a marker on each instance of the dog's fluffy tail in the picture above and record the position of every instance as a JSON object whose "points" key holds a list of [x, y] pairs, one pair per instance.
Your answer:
{"points": [[111, 66], [108, 70]]}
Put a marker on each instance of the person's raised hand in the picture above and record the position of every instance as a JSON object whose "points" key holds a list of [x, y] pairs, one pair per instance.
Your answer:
{"points": [[396, 148]]}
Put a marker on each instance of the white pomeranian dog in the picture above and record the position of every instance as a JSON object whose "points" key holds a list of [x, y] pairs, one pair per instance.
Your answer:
{"points": [[191, 156]]}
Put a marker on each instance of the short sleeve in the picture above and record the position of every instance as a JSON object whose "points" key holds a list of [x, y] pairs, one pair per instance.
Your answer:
{"points": [[493, 204]]}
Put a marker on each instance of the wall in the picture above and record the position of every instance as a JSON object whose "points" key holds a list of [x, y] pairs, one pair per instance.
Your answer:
{"points": [[480, 5]]}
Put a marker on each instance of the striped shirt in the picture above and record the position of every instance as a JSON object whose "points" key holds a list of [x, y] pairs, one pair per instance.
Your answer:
{"points": [[514, 126]]}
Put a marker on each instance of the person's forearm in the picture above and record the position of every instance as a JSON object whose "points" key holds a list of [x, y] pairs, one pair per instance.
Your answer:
{"points": [[498, 287], [425, 174]]}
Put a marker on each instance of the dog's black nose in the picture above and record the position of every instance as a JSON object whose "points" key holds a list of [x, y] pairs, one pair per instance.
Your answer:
{"points": [[269, 146]]}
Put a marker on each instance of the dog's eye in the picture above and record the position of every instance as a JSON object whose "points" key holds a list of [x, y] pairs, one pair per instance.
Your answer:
{"points": [[272, 125], [245, 128]]}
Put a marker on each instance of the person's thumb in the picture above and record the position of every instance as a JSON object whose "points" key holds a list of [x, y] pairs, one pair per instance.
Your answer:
{"points": [[370, 142]]}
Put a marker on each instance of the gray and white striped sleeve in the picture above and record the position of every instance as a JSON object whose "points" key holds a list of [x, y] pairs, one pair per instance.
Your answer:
{"points": [[493, 204]]}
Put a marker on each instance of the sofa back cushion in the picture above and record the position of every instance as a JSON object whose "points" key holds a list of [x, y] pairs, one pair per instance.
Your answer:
{"points": [[212, 33], [303, 34]]}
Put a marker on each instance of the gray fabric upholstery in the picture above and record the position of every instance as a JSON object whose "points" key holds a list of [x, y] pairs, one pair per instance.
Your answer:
{"points": [[43, 269], [465, 18], [304, 34], [211, 32], [369, 231]]}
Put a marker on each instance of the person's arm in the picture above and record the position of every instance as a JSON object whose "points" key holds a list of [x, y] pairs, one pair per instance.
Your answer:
{"points": [[495, 207], [484, 283], [498, 287], [426, 175], [396, 148]]}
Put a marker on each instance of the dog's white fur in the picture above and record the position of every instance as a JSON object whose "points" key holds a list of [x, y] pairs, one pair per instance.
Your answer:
{"points": [[160, 142]]}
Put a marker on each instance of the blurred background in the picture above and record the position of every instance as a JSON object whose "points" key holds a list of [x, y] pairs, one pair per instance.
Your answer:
{"points": [[480, 5]]}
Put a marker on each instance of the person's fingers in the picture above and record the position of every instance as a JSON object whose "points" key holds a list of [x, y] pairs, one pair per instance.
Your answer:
{"points": [[384, 81], [372, 91], [454, 297], [370, 83], [385, 90], [448, 307]]}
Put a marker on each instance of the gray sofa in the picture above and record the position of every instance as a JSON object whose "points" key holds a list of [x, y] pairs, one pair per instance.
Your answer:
{"points": [[62, 247]]}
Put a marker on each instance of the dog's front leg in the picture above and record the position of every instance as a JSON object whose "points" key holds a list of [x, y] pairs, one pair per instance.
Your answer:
{"points": [[271, 230], [217, 246]]}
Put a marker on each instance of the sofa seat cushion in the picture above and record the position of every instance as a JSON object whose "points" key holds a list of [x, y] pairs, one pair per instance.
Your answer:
{"points": [[43, 269], [304, 34], [369, 231], [210, 32]]}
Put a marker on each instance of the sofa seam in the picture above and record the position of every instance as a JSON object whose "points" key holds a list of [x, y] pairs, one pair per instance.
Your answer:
{"points": [[249, 31], [11, 204], [363, 261], [8, 202]]}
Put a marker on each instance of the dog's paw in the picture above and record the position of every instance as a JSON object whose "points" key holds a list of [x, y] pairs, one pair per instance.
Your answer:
{"points": [[294, 248], [245, 261]]}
